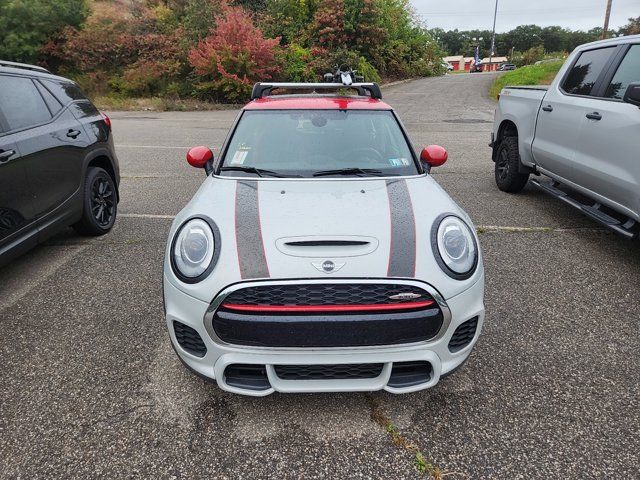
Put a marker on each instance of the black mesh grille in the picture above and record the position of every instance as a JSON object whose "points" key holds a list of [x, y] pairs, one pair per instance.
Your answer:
{"points": [[463, 335], [326, 294], [328, 372], [189, 339]]}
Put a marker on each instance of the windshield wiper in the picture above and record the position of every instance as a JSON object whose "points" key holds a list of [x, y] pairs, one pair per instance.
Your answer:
{"points": [[350, 171], [258, 171]]}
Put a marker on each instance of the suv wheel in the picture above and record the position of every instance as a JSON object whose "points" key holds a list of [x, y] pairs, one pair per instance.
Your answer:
{"points": [[508, 178], [100, 203]]}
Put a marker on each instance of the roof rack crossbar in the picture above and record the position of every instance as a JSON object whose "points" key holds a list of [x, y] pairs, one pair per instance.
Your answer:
{"points": [[264, 89], [23, 66]]}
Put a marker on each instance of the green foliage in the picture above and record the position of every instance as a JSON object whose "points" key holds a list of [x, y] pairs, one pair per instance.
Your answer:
{"points": [[521, 38], [542, 74], [632, 28], [25, 25]]}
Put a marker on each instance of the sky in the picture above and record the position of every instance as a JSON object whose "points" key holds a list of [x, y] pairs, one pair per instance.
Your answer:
{"points": [[478, 14]]}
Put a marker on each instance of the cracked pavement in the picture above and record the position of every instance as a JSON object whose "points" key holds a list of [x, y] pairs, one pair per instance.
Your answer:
{"points": [[90, 386]]}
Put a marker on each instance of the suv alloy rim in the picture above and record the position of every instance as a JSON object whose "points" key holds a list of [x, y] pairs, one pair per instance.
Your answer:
{"points": [[102, 201]]}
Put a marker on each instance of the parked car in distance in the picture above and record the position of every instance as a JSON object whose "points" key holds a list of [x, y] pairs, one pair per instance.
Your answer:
{"points": [[447, 66], [58, 166], [475, 67], [581, 132], [320, 255], [506, 66]]}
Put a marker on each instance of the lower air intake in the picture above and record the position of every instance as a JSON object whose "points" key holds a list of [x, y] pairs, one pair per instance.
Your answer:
{"points": [[189, 339], [329, 372], [463, 335], [247, 376], [408, 374]]}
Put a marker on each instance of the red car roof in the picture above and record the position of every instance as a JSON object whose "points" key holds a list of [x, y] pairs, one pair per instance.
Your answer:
{"points": [[316, 103]]}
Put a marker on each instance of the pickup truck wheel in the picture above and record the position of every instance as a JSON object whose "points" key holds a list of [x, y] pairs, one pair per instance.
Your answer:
{"points": [[508, 178]]}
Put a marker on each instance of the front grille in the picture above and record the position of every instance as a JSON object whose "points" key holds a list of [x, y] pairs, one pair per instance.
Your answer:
{"points": [[189, 339], [463, 335], [328, 372], [326, 294], [327, 315]]}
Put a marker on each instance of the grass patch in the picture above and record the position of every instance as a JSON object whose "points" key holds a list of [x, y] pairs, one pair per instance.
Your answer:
{"points": [[156, 104], [542, 74], [422, 465]]}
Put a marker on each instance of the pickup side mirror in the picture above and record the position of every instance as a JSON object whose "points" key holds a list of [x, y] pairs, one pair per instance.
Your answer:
{"points": [[632, 94], [201, 157], [433, 156]]}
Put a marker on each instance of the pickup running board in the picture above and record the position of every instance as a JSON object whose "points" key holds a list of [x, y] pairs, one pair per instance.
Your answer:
{"points": [[626, 227]]}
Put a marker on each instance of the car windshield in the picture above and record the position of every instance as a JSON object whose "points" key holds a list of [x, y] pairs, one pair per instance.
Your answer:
{"points": [[318, 143]]}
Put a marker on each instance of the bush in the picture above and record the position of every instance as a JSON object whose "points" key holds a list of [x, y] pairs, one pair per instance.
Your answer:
{"points": [[234, 57]]}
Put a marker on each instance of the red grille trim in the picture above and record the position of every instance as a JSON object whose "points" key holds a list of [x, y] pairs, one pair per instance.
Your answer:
{"points": [[328, 308]]}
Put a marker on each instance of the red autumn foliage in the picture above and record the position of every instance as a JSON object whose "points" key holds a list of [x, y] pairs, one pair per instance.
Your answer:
{"points": [[236, 55]]}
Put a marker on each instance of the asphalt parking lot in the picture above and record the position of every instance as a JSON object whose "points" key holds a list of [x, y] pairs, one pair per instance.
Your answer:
{"points": [[90, 386]]}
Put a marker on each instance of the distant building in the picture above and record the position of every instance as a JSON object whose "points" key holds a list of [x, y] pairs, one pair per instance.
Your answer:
{"points": [[495, 63], [459, 62]]}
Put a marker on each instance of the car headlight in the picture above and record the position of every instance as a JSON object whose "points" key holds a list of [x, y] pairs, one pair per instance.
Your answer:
{"points": [[455, 247], [193, 250]]}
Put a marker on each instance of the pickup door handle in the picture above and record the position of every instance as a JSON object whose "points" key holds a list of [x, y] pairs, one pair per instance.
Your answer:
{"points": [[73, 133], [547, 108], [6, 155], [594, 116]]}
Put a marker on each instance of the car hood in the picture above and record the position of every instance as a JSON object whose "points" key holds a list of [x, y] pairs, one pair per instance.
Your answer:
{"points": [[324, 228]]}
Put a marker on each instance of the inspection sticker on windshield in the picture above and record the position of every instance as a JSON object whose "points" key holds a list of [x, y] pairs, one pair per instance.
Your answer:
{"points": [[398, 162], [240, 156]]}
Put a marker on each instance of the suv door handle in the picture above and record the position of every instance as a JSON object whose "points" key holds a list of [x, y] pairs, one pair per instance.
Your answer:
{"points": [[594, 116], [73, 133], [6, 155], [547, 108]]}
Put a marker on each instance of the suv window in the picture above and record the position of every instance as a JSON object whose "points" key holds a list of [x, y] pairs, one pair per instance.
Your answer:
{"points": [[65, 91], [21, 102], [628, 72], [585, 71], [307, 143], [52, 102]]}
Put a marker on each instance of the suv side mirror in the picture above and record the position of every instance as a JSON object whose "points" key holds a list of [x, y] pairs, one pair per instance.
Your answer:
{"points": [[201, 157], [433, 156], [632, 94]]}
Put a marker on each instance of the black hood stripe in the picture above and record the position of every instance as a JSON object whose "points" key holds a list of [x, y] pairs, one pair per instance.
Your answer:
{"points": [[251, 255], [402, 251]]}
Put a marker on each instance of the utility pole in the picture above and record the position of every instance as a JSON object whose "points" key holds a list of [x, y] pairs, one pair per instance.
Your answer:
{"points": [[606, 19], [493, 35]]}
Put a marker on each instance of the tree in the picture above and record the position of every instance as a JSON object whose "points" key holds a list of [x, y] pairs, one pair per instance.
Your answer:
{"points": [[25, 25], [632, 28], [233, 57]]}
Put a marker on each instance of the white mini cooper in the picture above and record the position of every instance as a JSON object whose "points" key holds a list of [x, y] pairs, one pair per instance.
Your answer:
{"points": [[320, 255]]}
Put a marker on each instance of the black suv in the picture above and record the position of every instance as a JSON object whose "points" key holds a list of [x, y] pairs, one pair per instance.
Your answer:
{"points": [[58, 166]]}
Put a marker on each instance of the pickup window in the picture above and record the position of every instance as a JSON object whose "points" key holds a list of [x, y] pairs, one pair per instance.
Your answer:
{"points": [[628, 72], [585, 71]]}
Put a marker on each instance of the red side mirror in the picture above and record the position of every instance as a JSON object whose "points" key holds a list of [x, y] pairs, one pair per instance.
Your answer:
{"points": [[199, 156], [433, 155]]}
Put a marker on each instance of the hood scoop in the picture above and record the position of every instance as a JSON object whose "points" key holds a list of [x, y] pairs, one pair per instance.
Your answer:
{"points": [[327, 246]]}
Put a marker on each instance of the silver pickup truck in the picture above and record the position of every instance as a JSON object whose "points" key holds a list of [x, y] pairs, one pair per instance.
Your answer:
{"points": [[582, 132]]}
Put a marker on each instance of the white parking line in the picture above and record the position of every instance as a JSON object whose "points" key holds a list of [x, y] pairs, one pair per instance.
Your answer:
{"points": [[145, 215], [153, 146]]}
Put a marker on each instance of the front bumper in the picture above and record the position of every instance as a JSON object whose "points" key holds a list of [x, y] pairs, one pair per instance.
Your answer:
{"points": [[196, 314]]}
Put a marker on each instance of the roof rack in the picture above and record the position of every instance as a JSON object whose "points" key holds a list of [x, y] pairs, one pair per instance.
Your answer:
{"points": [[264, 89], [24, 66]]}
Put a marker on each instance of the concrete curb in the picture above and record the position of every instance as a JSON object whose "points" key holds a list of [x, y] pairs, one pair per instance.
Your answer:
{"points": [[399, 82]]}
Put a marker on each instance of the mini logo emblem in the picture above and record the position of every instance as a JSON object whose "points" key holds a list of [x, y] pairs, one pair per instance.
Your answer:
{"points": [[328, 266], [405, 296]]}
